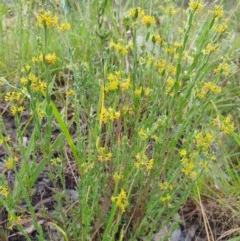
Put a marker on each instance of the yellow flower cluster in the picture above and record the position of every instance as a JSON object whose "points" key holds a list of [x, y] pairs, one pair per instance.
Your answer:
{"points": [[169, 85], [182, 153], [4, 191], [121, 200], [147, 20], [142, 161], [217, 11], [117, 177], [37, 59], [103, 154], [9, 163], [188, 168], [109, 114], [164, 186], [50, 58], [156, 38], [70, 92], [119, 48], [135, 13], [209, 49], [226, 126], [160, 65], [138, 13], [13, 220], [115, 80], [40, 111], [125, 84], [127, 109], [209, 87], [143, 134], [203, 141], [195, 5], [220, 28], [46, 19], [16, 109], [13, 96], [36, 84], [64, 27], [223, 68], [165, 198], [142, 90]]}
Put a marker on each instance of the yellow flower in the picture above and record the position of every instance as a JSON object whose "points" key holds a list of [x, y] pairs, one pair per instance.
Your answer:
{"points": [[143, 162], [223, 68], [13, 220], [147, 91], [203, 141], [220, 28], [64, 27], [13, 110], [117, 177], [147, 20], [171, 69], [143, 134], [34, 59], [8, 138], [4, 191], [134, 13], [227, 126], [169, 84], [209, 87], [171, 10], [121, 200], [46, 19], [209, 49], [149, 164], [195, 5], [165, 198], [23, 81], [113, 81], [103, 155], [126, 84], [218, 11], [182, 153], [32, 77], [160, 65], [164, 186], [12, 96], [9, 163], [40, 113], [138, 91], [70, 92], [50, 58], [188, 167], [156, 38], [20, 109], [169, 49], [123, 50]]}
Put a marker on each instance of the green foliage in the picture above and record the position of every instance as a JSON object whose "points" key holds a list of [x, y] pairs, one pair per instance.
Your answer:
{"points": [[129, 108]]}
